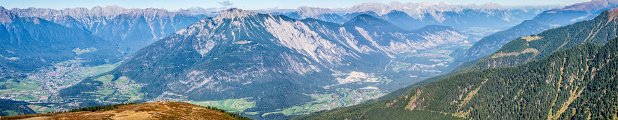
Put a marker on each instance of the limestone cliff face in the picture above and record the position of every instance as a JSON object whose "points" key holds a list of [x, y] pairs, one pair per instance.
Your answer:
{"points": [[132, 29], [252, 55]]}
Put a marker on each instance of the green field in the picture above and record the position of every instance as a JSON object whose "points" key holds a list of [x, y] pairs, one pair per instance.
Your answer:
{"points": [[40, 109], [123, 89], [40, 85], [232, 105], [321, 102], [344, 97]]}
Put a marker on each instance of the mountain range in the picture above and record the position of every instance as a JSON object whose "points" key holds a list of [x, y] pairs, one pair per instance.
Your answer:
{"points": [[131, 29], [411, 16], [29, 43], [568, 74], [377, 61], [271, 53], [546, 20], [533, 47]]}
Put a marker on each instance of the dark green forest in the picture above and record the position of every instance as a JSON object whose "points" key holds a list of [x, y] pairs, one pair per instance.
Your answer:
{"points": [[534, 47]]}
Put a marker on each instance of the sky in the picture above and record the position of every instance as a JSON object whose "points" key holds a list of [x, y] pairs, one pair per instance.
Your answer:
{"points": [[250, 4]]}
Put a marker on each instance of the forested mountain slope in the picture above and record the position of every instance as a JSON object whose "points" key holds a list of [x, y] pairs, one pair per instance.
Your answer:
{"points": [[578, 83], [10, 107], [533, 47], [574, 82], [544, 21]]}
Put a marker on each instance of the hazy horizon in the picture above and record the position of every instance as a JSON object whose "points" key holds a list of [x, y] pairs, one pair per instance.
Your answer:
{"points": [[256, 4]]}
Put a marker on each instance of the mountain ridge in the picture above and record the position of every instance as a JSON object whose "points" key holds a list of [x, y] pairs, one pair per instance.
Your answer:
{"points": [[544, 21], [271, 53], [559, 73], [25, 47], [533, 47], [151, 110], [131, 28]]}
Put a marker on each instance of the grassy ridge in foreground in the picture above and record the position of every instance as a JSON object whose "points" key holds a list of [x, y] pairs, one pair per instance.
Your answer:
{"points": [[154, 110]]}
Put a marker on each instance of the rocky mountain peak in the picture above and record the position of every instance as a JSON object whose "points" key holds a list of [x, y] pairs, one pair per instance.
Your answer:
{"points": [[108, 10], [234, 13], [5, 15], [612, 14], [313, 11], [97, 12], [591, 6], [236, 16]]}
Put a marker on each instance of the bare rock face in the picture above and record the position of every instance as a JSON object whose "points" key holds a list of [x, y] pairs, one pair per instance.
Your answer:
{"points": [[5, 16], [612, 14], [243, 54], [131, 28], [29, 43]]}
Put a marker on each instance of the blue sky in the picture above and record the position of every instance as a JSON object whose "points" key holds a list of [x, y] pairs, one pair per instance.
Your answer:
{"points": [[249, 4]]}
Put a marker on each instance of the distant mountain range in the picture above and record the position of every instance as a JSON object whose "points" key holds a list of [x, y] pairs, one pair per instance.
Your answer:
{"points": [[533, 47], [131, 29], [411, 16], [243, 54], [29, 43], [546, 20]]}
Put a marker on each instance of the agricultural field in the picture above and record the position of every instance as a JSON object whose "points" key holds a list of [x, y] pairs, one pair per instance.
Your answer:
{"points": [[122, 89], [231, 105], [43, 85], [343, 97]]}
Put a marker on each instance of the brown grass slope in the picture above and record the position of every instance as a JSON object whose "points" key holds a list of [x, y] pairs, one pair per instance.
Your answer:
{"points": [[144, 111]]}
